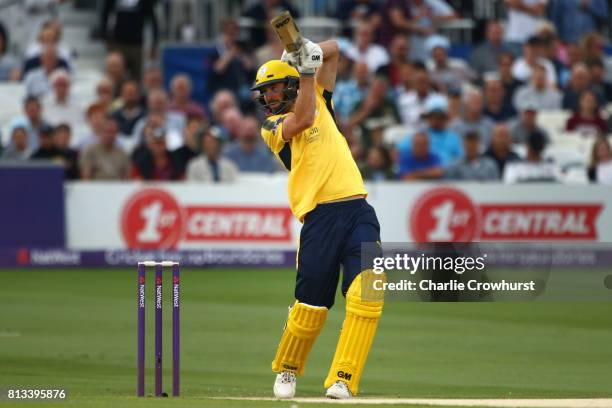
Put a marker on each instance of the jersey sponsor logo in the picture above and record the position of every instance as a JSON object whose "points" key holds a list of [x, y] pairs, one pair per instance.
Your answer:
{"points": [[449, 215], [276, 123], [153, 219], [313, 134]]}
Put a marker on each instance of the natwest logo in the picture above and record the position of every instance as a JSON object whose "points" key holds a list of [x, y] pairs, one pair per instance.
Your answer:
{"points": [[152, 219], [448, 215]]}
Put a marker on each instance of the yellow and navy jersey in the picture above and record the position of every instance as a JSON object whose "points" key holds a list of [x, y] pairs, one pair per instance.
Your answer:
{"points": [[321, 167]]}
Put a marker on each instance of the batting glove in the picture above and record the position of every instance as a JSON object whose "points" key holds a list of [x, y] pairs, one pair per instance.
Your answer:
{"points": [[291, 58], [311, 58]]}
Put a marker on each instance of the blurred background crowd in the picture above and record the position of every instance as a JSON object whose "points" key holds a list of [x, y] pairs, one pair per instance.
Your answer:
{"points": [[509, 91]]}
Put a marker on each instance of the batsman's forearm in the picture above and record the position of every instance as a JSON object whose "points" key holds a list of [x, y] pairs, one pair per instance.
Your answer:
{"points": [[306, 103], [330, 49]]}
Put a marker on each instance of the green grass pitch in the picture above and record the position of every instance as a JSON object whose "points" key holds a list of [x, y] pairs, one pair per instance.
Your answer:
{"points": [[76, 329]]}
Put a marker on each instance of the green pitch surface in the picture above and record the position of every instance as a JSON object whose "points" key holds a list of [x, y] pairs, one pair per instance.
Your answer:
{"points": [[76, 330]]}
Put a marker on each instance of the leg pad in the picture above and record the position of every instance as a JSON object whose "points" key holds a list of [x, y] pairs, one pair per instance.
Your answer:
{"points": [[357, 334], [303, 327]]}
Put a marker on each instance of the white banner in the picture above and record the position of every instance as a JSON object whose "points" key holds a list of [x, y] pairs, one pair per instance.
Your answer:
{"points": [[255, 214]]}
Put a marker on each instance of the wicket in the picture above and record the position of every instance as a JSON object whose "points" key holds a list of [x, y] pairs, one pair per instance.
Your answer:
{"points": [[141, 295]]}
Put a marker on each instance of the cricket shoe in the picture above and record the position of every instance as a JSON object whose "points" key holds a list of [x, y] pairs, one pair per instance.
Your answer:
{"points": [[339, 390], [284, 386]]}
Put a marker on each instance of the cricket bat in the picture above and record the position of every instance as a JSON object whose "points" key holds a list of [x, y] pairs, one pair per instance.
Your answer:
{"points": [[287, 31]]}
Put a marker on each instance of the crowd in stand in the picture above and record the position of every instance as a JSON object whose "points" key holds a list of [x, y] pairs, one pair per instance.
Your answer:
{"points": [[474, 119]]}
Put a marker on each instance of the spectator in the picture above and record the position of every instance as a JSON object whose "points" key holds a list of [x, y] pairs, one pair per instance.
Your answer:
{"points": [[378, 165], [18, 147], [152, 79], [96, 117], [600, 168], [54, 146], [9, 63], [539, 91], [599, 83], [419, 162], [523, 67], [587, 119], [398, 53], [64, 154], [59, 106], [192, 135], [510, 83], [152, 159], [49, 36], [180, 90], [485, 57], [574, 56], [232, 65], [580, 81], [352, 13], [126, 35], [32, 121], [248, 152], [445, 72], [345, 65], [173, 123], [526, 123], [210, 166], [455, 103], [39, 13], [272, 49], [473, 119], [553, 50], [363, 49], [500, 150], [593, 46], [348, 94], [103, 160], [407, 73], [534, 169], [524, 17], [574, 19], [262, 11], [444, 142], [115, 71], [474, 166], [105, 94], [46, 148], [222, 101], [36, 80], [375, 112], [35, 61], [397, 19], [231, 124], [426, 16], [417, 18], [130, 110], [497, 108]]}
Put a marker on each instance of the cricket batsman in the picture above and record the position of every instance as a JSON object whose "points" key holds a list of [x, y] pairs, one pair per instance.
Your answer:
{"points": [[327, 195]]}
